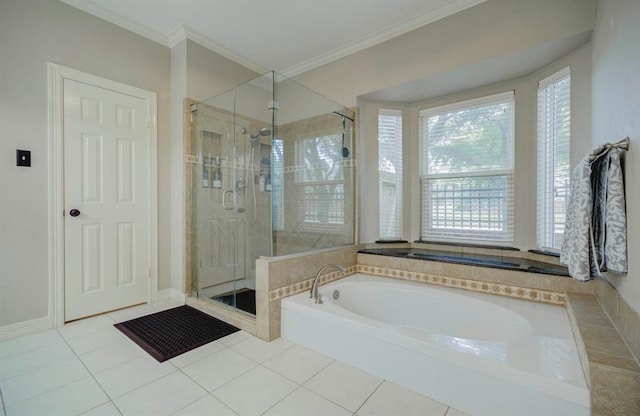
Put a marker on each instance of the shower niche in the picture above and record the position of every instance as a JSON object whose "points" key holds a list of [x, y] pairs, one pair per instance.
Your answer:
{"points": [[266, 175], [211, 159]]}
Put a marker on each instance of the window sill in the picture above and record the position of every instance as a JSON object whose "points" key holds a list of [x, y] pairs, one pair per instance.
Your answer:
{"points": [[391, 241], [469, 245]]}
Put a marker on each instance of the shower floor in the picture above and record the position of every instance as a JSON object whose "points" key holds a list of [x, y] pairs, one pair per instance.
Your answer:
{"points": [[244, 289], [245, 299]]}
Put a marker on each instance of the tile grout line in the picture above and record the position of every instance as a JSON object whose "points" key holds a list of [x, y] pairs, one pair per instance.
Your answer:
{"points": [[368, 397], [299, 385], [327, 399], [93, 377], [260, 363], [33, 349], [90, 375], [282, 399], [224, 384], [617, 327], [61, 339], [75, 356]]}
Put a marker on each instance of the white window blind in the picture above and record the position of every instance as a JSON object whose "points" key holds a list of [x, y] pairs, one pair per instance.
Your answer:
{"points": [[467, 170], [390, 174], [320, 180], [554, 119]]}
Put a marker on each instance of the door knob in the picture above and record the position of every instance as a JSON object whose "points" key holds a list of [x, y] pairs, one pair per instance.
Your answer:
{"points": [[74, 212]]}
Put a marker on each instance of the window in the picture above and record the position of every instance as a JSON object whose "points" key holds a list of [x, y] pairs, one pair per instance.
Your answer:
{"points": [[466, 173], [554, 119], [390, 173], [320, 182]]}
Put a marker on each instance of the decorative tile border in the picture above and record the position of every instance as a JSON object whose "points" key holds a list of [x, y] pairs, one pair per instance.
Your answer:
{"points": [[305, 285], [517, 292], [347, 163]]}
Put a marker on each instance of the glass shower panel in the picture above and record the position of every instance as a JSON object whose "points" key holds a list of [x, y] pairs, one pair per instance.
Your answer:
{"points": [[313, 171], [271, 172], [254, 109]]}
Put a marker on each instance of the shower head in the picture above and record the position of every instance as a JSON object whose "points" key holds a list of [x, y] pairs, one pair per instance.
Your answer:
{"points": [[263, 132]]}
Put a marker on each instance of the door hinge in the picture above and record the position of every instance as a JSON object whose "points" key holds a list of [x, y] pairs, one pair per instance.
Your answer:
{"points": [[148, 273], [148, 123]]}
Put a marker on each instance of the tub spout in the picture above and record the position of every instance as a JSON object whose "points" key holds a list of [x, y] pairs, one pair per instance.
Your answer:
{"points": [[313, 293]]}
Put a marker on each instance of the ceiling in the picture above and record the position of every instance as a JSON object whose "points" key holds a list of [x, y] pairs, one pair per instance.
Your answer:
{"points": [[294, 36], [288, 36], [499, 69]]}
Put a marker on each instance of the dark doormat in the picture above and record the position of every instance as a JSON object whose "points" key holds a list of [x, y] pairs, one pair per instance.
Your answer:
{"points": [[245, 300], [169, 333]]}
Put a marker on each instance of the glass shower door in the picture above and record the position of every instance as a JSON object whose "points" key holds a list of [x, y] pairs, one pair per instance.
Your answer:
{"points": [[230, 197], [218, 226]]}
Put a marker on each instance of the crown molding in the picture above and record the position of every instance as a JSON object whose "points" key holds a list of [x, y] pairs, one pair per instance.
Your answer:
{"points": [[177, 35], [118, 20], [380, 36], [182, 32]]}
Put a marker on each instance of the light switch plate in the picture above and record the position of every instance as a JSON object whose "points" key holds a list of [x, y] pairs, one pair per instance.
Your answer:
{"points": [[23, 158]]}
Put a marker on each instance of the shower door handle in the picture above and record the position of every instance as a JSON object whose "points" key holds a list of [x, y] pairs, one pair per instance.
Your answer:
{"points": [[224, 200]]}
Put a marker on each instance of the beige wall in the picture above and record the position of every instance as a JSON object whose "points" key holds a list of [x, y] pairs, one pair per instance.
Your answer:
{"points": [[33, 33], [616, 114], [488, 30], [525, 146], [209, 73]]}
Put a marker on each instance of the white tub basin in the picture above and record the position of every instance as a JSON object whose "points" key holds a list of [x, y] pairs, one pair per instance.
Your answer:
{"points": [[483, 354]]}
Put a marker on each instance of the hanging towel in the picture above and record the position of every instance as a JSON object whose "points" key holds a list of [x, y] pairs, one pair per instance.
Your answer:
{"points": [[595, 236], [615, 240], [576, 249]]}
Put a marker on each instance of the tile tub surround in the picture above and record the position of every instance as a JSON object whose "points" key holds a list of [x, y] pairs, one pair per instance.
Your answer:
{"points": [[612, 372], [516, 292], [625, 319], [277, 277], [285, 276], [524, 280], [496, 261]]}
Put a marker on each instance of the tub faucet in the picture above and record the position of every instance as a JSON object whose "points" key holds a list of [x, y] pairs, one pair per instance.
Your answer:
{"points": [[313, 293]]}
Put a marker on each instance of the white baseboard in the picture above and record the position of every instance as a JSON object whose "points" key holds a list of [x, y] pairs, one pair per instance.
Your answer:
{"points": [[24, 328], [172, 294]]}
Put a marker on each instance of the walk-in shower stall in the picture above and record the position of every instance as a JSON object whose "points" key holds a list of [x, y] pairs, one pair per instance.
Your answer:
{"points": [[270, 172]]}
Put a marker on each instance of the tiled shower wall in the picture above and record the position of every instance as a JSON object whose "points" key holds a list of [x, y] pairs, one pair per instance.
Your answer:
{"points": [[295, 237]]}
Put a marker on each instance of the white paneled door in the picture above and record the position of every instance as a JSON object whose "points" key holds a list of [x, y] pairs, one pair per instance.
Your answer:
{"points": [[106, 200]]}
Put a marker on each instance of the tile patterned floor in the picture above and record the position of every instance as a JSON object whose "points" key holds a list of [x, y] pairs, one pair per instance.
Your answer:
{"points": [[90, 368]]}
